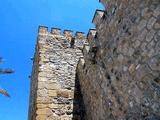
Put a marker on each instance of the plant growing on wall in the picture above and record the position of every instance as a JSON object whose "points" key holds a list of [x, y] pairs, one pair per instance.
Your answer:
{"points": [[5, 71]]}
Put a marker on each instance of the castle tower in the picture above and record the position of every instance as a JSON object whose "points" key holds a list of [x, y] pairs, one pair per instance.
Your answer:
{"points": [[118, 73], [55, 93]]}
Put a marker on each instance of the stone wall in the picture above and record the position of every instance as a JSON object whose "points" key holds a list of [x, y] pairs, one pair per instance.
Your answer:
{"points": [[55, 92], [120, 72]]}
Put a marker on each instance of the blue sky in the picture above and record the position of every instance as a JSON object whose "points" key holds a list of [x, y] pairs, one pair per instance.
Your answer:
{"points": [[19, 20]]}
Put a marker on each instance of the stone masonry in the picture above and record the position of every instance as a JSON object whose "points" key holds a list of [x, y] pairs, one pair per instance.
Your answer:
{"points": [[54, 91], [120, 72], [114, 74]]}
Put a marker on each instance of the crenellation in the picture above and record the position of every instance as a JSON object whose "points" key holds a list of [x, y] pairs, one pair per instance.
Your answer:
{"points": [[42, 29], [98, 16], [55, 91], [91, 35], [68, 34], [112, 74], [80, 35], [56, 31], [117, 79]]}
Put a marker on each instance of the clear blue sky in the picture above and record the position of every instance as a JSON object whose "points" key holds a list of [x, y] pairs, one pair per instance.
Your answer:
{"points": [[19, 20]]}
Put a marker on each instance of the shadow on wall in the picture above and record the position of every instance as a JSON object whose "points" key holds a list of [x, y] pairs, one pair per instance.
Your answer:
{"points": [[78, 103]]}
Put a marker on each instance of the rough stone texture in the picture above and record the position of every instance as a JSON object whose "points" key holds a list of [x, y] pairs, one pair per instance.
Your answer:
{"points": [[120, 72], [55, 93]]}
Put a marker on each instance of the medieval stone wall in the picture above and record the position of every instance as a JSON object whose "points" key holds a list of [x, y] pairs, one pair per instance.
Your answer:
{"points": [[33, 87], [55, 93], [120, 72]]}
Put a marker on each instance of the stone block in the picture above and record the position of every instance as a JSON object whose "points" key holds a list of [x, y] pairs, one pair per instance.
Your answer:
{"points": [[41, 85], [132, 68], [43, 29], [42, 93], [44, 111], [40, 106], [151, 22], [52, 93], [43, 100], [142, 25], [41, 117], [63, 93], [53, 86], [150, 35], [55, 31], [53, 106]]}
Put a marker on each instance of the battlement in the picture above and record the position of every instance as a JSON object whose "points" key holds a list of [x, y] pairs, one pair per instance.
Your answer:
{"points": [[56, 31], [80, 35], [66, 33], [42, 29], [97, 16], [57, 54], [67, 37], [91, 34], [117, 76]]}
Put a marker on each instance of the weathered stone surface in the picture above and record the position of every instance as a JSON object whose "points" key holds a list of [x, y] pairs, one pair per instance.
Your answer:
{"points": [[43, 100], [118, 72], [151, 22], [52, 93], [63, 93], [52, 86], [119, 76], [39, 106], [41, 117], [53, 77], [45, 111], [53, 106]]}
